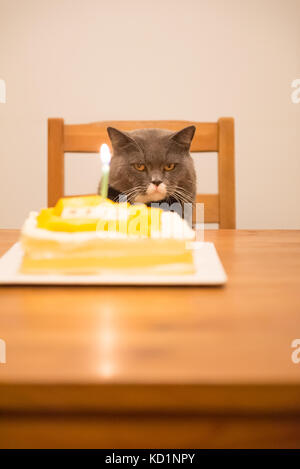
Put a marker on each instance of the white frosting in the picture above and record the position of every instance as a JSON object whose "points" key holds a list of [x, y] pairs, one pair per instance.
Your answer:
{"points": [[172, 227], [101, 211]]}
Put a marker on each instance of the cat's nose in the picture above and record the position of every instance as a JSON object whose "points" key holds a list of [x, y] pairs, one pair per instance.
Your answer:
{"points": [[156, 182]]}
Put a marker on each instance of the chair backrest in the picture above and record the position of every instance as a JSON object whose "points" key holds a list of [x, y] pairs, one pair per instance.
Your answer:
{"points": [[209, 137]]}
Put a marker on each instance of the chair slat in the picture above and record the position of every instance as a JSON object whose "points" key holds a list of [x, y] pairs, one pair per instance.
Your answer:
{"points": [[88, 137], [226, 173], [211, 207], [55, 160]]}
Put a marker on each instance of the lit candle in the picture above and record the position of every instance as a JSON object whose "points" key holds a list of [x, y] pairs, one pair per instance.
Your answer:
{"points": [[105, 158]]}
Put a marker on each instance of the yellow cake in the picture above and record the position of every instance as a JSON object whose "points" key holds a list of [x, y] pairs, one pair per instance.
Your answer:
{"points": [[88, 235]]}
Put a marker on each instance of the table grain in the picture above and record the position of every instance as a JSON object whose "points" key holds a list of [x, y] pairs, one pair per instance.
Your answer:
{"points": [[158, 366]]}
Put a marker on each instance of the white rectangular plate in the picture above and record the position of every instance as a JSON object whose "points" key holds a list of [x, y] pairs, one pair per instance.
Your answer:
{"points": [[209, 271]]}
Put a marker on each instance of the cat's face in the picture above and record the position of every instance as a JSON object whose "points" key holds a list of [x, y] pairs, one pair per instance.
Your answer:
{"points": [[149, 165]]}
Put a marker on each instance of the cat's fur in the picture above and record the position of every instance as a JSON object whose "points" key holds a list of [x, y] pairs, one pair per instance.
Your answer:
{"points": [[153, 148]]}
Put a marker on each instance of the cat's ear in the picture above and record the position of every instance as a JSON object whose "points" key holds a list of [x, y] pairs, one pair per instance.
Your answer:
{"points": [[118, 138], [185, 136]]}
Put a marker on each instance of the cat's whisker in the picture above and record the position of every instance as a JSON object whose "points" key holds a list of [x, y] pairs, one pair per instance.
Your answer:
{"points": [[181, 193], [130, 194], [136, 188], [183, 197], [131, 191], [177, 199], [180, 190], [133, 188], [183, 190]]}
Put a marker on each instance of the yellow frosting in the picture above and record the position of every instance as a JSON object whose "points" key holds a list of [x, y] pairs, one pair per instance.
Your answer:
{"points": [[124, 218], [78, 202]]}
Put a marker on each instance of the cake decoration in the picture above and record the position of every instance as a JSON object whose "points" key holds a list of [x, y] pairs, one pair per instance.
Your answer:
{"points": [[91, 235]]}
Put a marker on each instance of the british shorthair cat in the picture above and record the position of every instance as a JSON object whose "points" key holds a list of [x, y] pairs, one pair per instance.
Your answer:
{"points": [[152, 165]]}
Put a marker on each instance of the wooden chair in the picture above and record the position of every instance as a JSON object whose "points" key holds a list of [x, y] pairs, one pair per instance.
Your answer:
{"points": [[209, 137]]}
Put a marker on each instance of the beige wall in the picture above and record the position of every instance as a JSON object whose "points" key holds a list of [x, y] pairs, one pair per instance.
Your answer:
{"points": [[88, 60]]}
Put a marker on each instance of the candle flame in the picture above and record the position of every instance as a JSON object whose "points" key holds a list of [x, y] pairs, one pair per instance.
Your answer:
{"points": [[105, 154]]}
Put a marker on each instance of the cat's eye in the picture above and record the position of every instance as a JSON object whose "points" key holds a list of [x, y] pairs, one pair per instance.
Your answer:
{"points": [[139, 167], [169, 167]]}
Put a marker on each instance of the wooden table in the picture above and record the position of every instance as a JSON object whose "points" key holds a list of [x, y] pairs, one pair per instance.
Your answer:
{"points": [[158, 367]]}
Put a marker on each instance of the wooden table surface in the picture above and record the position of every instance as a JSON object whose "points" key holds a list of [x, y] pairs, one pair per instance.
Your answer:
{"points": [[187, 357]]}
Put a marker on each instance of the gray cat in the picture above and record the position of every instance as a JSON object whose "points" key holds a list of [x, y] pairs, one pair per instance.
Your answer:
{"points": [[152, 165]]}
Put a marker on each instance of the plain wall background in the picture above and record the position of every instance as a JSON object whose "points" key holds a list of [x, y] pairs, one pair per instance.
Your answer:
{"points": [[89, 60]]}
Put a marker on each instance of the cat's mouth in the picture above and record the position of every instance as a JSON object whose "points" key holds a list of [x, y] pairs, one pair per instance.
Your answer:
{"points": [[153, 193]]}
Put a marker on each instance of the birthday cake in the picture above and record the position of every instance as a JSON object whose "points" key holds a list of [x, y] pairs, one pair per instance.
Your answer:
{"points": [[92, 235]]}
